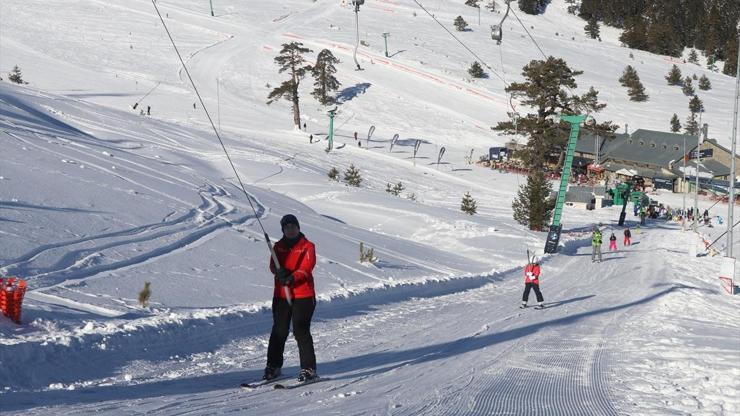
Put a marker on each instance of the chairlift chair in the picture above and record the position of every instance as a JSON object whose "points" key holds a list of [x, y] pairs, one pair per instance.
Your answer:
{"points": [[497, 30]]}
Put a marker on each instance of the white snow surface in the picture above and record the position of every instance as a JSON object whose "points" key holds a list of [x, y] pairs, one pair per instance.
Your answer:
{"points": [[96, 199]]}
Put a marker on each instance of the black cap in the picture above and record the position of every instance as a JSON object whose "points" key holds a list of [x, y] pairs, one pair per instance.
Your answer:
{"points": [[289, 219]]}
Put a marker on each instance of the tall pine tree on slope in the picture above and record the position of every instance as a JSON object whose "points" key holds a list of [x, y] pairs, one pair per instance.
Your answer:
{"points": [[291, 59], [325, 81]]}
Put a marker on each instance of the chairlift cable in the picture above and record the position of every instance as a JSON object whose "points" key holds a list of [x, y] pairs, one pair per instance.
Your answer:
{"points": [[461, 43]]}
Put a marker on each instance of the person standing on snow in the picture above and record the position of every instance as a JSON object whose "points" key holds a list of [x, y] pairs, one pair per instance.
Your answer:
{"points": [[612, 242], [532, 281], [596, 244], [627, 237], [297, 257]]}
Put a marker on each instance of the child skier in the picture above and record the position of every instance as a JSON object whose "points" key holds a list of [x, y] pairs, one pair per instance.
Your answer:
{"points": [[612, 242], [627, 237], [596, 244], [532, 281]]}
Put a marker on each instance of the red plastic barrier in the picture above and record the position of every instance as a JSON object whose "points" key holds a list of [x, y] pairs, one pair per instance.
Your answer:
{"points": [[12, 291]]}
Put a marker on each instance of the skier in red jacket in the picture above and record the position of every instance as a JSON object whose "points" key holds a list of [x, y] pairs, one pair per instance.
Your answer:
{"points": [[532, 281], [297, 257]]}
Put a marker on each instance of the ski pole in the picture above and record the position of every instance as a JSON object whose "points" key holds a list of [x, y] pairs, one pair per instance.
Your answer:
{"points": [[228, 157]]}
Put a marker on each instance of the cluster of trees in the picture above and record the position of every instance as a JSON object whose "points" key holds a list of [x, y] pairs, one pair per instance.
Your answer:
{"points": [[668, 26], [291, 60], [352, 175], [696, 106]]}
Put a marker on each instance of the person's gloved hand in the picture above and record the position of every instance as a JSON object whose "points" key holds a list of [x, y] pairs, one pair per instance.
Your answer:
{"points": [[530, 275], [284, 277]]}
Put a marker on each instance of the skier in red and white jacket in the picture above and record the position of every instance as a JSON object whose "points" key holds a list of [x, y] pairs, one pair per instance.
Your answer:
{"points": [[532, 281]]}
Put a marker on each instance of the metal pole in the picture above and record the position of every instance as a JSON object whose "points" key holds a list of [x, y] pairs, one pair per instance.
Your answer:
{"points": [[357, 27], [218, 105], [696, 195], [385, 37], [211, 1], [684, 186], [731, 208]]}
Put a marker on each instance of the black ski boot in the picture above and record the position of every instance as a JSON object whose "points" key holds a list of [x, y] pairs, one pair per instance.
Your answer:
{"points": [[271, 373], [307, 375]]}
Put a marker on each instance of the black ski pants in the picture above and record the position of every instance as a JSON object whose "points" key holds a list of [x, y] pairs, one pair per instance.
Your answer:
{"points": [[527, 287], [300, 313]]}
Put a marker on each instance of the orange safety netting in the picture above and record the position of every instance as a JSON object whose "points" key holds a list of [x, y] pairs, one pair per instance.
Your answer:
{"points": [[11, 297]]}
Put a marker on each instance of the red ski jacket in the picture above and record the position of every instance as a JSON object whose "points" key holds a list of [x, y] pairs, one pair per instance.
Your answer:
{"points": [[535, 270], [299, 260]]}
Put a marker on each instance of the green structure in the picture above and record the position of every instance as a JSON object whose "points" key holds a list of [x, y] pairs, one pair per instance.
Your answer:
{"points": [[619, 193], [553, 237], [330, 136]]}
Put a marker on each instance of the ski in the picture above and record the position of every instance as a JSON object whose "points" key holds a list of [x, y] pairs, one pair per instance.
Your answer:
{"points": [[261, 383], [296, 384]]}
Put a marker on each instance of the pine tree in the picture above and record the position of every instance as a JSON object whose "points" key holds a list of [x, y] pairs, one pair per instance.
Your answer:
{"points": [[476, 71], [490, 6], [544, 90], [688, 87], [532, 6], [704, 83], [398, 188], [352, 176], [325, 81], [711, 64], [592, 28], [634, 35], [692, 126], [731, 49], [291, 59], [472, 3], [637, 92], [693, 57], [334, 174], [460, 24], [15, 75], [675, 123], [696, 105], [468, 204], [533, 205], [629, 76], [674, 76]]}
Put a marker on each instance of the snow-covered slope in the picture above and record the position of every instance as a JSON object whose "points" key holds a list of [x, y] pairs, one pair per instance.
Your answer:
{"points": [[95, 200]]}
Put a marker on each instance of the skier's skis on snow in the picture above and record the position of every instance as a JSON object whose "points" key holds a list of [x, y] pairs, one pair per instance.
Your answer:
{"points": [[296, 384], [258, 384]]}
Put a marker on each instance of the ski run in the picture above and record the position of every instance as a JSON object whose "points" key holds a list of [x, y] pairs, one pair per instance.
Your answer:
{"points": [[96, 199]]}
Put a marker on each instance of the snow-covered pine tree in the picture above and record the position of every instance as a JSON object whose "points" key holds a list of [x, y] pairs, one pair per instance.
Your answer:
{"points": [[688, 87], [468, 204], [675, 123], [291, 59], [533, 205], [398, 188], [460, 24], [323, 74], [674, 76], [631, 80], [693, 56], [704, 83], [352, 176], [472, 3], [15, 75], [592, 28], [476, 71]]}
